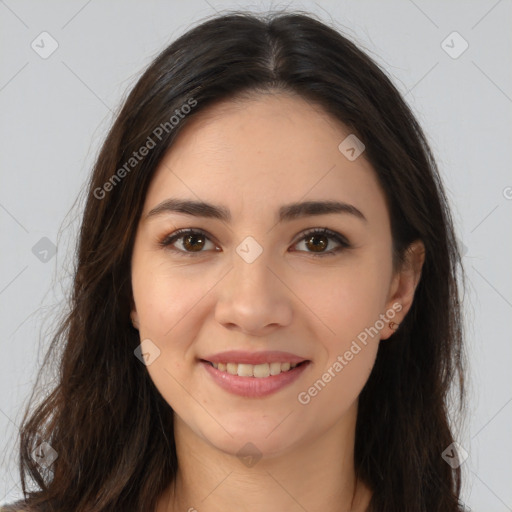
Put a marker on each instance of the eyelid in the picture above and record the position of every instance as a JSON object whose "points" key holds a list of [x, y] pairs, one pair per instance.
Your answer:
{"points": [[168, 240], [341, 239], [343, 242]]}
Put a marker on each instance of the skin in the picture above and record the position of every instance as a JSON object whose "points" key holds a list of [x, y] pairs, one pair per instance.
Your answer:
{"points": [[253, 156]]}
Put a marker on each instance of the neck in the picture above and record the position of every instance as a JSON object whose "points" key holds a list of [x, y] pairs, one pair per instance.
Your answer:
{"points": [[316, 475]]}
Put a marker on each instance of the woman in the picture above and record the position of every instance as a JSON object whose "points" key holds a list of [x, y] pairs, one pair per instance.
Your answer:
{"points": [[265, 309]]}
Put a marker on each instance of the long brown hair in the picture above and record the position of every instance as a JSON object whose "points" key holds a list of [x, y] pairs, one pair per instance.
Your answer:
{"points": [[109, 425]]}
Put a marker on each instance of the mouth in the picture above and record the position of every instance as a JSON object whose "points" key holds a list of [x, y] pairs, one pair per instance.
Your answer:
{"points": [[258, 371], [254, 380]]}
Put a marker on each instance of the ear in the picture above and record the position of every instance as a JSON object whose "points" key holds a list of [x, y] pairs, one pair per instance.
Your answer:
{"points": [[404, 285], [134, 315]]}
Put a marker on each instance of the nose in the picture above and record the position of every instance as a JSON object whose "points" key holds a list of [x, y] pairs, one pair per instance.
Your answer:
{"points": [[254, 298]]}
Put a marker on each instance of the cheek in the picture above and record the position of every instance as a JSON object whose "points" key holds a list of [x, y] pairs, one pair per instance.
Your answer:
{"points": [[165, 300], [346, 299], [172, 303], [347, 343], [164, 297], [347, 302]]}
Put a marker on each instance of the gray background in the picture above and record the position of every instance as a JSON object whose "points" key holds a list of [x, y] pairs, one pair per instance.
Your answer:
{"points": [[55, 112]]}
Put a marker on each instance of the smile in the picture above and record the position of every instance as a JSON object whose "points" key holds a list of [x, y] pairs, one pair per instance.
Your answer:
{"points": [[254, 370], [254, 381]]}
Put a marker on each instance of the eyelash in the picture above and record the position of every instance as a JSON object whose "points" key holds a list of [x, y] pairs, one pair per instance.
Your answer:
{"points": [[169, 240]]}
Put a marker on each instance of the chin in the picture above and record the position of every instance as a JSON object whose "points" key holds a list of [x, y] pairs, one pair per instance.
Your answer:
{"points": [[263, 441]]}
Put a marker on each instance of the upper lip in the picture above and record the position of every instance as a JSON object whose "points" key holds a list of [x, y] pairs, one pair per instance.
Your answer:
{"points": [[244, 357]]}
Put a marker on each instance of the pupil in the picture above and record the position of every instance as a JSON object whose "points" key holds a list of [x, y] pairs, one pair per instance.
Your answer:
{"points": [[321, 245], [192, 237]]}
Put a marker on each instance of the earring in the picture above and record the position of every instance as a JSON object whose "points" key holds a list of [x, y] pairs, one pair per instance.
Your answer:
{"points": [[393, 326]]}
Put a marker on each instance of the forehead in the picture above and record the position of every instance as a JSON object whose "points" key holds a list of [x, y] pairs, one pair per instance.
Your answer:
{"points": [[269, 148]]}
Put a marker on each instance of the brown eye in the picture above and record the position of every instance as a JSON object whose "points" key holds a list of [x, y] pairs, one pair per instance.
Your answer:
{"points": [[317, 243], [194, 242], [187, 242]]}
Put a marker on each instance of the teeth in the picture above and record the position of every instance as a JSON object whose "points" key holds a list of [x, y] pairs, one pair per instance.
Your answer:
{"points": [[252, 370], [232, 368], [245, 370], [259, 370], [275, 368]]}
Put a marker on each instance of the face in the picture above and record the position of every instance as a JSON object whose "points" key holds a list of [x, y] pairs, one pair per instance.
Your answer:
{"points": [[260, 280]]}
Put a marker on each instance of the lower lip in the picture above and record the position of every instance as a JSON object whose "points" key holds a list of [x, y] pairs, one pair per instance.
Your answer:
{"points": [[254, 387]]}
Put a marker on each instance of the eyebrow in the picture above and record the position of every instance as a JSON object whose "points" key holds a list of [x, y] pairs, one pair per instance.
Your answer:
{"points": [[287, 212]]}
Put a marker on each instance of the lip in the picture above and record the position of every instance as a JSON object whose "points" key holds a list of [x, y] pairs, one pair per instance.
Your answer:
{"points": [[254, 387], [244, 357]]}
